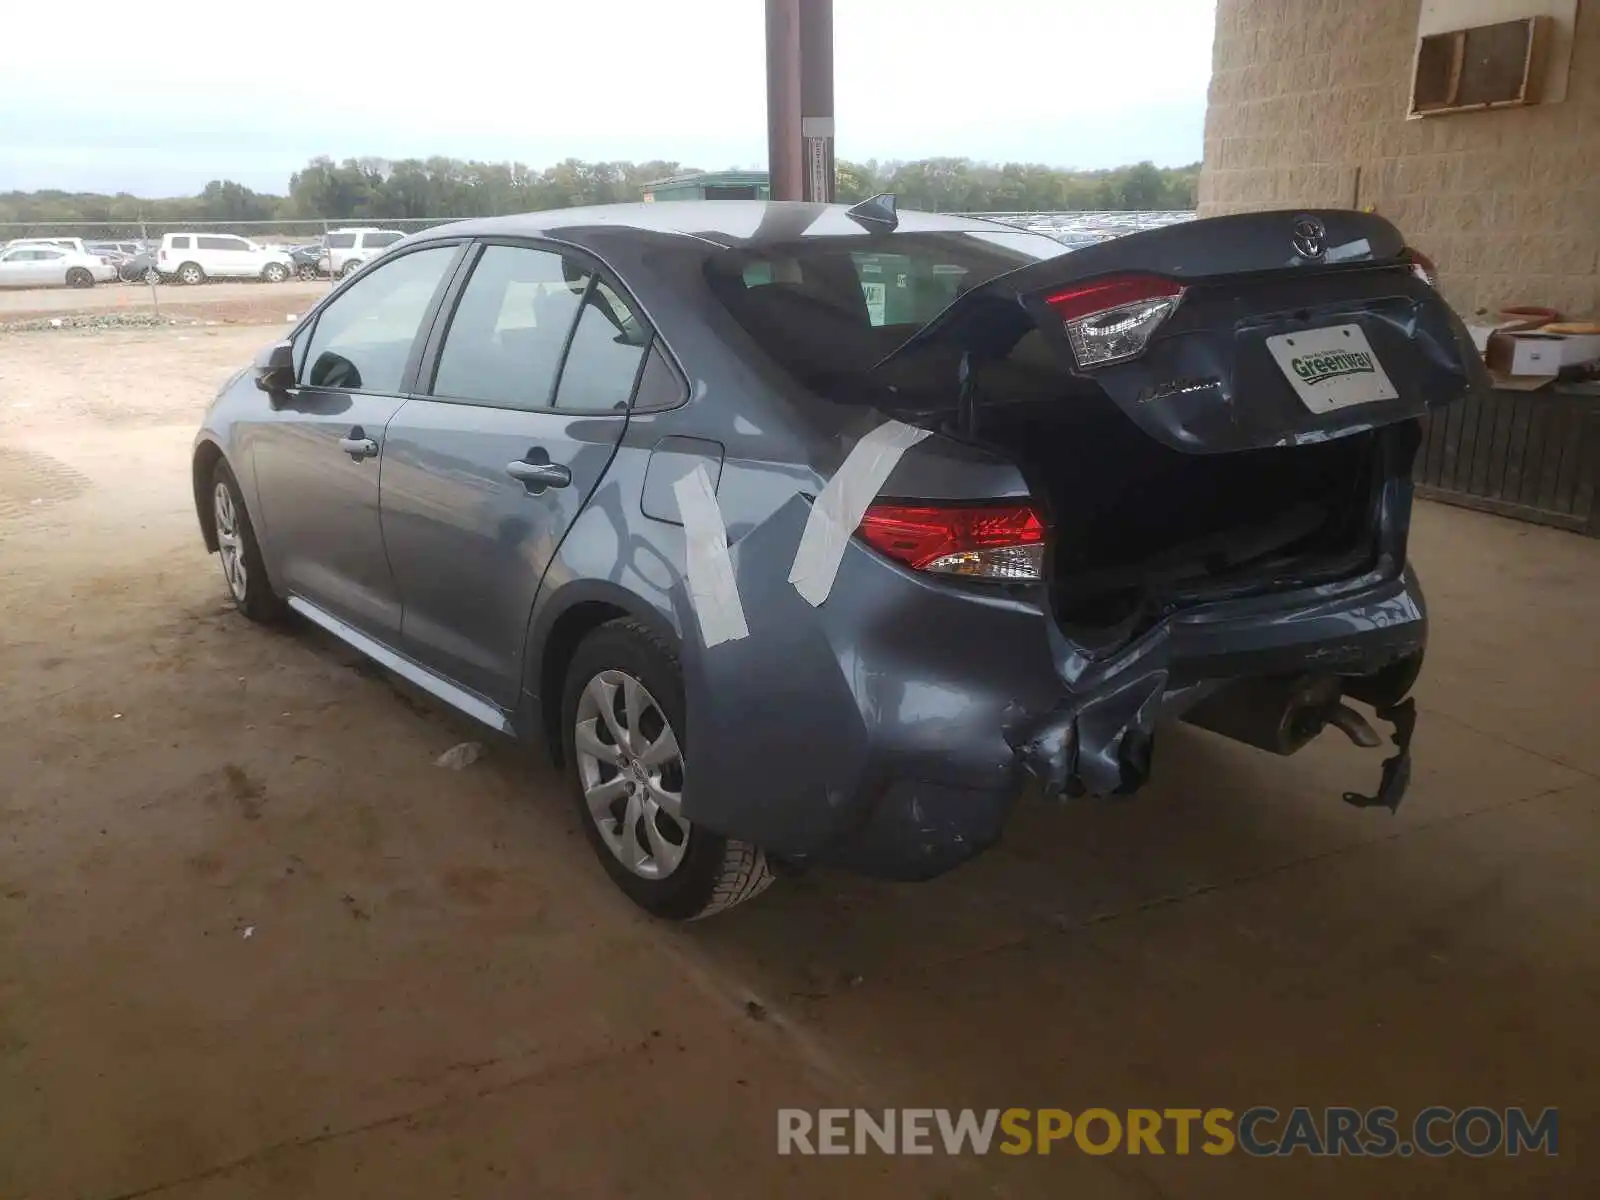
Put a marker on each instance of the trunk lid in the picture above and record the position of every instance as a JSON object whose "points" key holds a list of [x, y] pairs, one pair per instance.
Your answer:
{"points": [[1215, 374]]}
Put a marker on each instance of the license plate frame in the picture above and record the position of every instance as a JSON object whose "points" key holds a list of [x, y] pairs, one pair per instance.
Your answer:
{"points": [[1332, 367]]}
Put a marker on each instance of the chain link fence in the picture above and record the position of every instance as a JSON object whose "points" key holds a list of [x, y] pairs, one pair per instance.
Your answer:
{"points": [[141, 273]]}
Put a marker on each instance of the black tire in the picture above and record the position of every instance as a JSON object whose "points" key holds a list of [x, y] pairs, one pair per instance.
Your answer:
{"points": [[274, 273], [190, 274], [259, 601], [715, 873], [349, 269], [306, 271], [79, 277], [151, 276]]}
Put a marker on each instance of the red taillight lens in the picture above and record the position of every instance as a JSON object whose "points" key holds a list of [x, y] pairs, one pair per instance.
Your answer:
{"points": [[988, 541], [1421, 266], [1110, 320]]}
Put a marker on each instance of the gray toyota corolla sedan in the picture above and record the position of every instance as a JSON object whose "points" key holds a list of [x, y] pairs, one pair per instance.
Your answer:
{"points": [[808, 534]]}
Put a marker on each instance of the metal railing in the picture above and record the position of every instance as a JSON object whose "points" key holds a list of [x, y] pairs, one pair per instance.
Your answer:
{"points": [[1534, 456]]}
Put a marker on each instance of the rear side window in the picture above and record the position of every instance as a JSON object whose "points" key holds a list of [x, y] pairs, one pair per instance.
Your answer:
{"points": [[376, 241], [218, 243], [604, 358], [362, 339], [340, 241], [510, 328], [659, 385], [180, 243]]}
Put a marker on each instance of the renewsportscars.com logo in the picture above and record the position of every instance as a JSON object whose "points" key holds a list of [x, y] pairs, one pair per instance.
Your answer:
{"points": [[1316, 368], [1258, 1132]]}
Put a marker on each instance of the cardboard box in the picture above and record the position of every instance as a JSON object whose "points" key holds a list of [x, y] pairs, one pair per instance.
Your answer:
{"points": [[1525, 353]]}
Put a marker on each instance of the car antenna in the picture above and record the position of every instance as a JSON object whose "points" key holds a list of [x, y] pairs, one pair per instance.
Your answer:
{"points": [[876, 212]]}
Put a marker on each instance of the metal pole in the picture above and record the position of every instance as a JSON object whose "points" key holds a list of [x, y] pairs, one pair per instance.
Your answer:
{"points": [[816, 98], [150, 272], [784, 166]]}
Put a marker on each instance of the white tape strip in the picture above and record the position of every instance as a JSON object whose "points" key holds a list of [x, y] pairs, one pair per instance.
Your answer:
{"points": [[711, 583], [843, 502]]}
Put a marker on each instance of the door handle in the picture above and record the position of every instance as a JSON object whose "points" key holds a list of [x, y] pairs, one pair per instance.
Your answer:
{"points": [[536, 476], [358, 445]]}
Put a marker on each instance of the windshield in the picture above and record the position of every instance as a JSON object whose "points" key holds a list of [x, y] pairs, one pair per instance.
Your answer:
{"points": [[829, 309]]}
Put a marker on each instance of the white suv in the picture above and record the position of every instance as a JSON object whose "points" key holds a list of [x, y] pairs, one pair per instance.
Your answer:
{"points": [[196, 257], [346, 250]]}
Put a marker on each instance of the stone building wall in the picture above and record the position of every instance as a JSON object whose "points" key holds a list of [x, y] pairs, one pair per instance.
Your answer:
{"points": [[1307, 108]]}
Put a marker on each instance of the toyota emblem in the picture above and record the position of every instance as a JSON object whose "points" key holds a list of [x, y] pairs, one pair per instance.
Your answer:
{"points": [[1309, 237]]}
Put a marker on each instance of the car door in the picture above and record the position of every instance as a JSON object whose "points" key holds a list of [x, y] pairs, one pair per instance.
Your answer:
{"points": [[49, 267], [217, 256], [524, 397], [317, 452], [16, 267]]}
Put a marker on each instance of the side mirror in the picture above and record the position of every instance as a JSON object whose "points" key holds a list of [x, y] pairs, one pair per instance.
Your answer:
{"points": [[274, 367]]}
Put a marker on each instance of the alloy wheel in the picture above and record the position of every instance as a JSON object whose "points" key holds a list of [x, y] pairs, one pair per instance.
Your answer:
{"points": [[631, 770], [230, 543]]}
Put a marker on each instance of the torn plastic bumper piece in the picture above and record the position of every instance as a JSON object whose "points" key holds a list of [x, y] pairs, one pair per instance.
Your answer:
{"points": [[1396, 769]]}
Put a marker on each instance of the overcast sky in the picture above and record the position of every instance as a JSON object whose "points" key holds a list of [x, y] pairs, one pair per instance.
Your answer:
{"points": [[251, 92]]}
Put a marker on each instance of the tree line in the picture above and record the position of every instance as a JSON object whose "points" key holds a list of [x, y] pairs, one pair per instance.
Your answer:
{"points": [[375, 189]]}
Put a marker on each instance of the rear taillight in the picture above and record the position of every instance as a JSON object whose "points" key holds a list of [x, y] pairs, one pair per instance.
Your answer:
{"points": [[1421, 266], [987, 541], [1109, 320]]}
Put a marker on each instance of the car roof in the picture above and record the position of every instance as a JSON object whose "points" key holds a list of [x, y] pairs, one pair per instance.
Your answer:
{"points": [[730, 223]]}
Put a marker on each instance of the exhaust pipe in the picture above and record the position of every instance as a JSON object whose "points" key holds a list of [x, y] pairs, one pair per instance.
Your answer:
{"points": [[1281, 714]]}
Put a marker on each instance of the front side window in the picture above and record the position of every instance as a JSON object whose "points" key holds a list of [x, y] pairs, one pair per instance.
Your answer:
{"points": [[510, 327], [604, 358], [362, 339]]}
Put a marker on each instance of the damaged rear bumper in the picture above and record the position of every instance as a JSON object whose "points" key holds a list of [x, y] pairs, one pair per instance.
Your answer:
{"points": [[910, 714], [1271, 675]]}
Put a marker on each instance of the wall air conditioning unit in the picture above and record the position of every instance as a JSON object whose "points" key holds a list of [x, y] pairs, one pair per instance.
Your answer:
{"points": [[1480, 67]]}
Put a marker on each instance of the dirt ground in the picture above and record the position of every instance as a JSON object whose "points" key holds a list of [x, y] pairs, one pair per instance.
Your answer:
{"points": [[253, 943]]}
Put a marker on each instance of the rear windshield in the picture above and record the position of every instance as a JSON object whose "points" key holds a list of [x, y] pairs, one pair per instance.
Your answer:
{"points": [[829, 309]]}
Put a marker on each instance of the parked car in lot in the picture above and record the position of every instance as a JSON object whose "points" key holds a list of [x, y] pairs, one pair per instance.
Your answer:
{"points": [[310, 262], [784, 572], [123, 249], [139, 268], [76, 245], [196, 257], [347, 249], [28, 264]]}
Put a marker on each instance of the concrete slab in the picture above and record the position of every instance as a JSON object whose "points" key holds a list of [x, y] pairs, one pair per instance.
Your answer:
{"points": [[253, 943]]}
